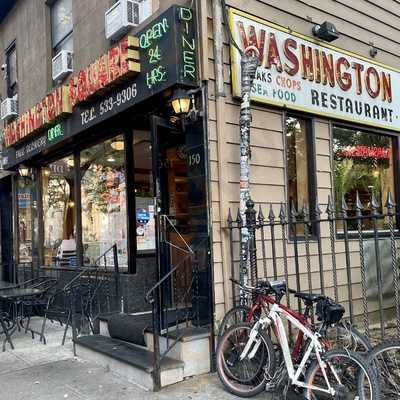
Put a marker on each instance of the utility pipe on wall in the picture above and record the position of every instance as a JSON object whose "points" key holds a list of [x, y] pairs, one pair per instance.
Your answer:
{"points": [[218, 38]]}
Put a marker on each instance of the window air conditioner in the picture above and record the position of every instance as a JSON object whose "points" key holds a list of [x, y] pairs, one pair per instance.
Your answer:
{"points": [[9, 108], [120, 17], [62, 64]]}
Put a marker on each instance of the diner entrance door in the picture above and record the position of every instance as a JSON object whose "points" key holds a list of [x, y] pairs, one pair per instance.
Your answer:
{"points": [[182, 222]]}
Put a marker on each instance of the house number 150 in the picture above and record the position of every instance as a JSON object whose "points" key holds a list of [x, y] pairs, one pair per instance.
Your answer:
{"points": [[194, 159]]}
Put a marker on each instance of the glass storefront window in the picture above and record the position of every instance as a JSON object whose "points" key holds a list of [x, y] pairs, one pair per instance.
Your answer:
{"points": [[297, 159], [103, 193], [363, 163], [25, 219], [59, 213], [144, 195]]}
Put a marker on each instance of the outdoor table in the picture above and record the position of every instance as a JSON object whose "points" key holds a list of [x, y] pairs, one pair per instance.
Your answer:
{"points": [[14, 296], [6, 285]]}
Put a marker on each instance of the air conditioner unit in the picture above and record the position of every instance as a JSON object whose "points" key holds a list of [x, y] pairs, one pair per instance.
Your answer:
{"points": [[145, 9], [62, 64], [120, 17], [9, 108]]}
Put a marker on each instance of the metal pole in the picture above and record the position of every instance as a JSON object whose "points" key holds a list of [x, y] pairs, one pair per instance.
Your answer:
{"points": [[249, 64]]}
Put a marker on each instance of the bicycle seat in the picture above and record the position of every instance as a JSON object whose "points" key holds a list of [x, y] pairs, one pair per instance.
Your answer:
{"points": [[309, 298], [278, 286]]}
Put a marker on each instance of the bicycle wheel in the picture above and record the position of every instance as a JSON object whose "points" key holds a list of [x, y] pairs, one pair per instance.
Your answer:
{"points": [[349, 374], [236, 315], [248, 377], [385, 359], [346, 336]]}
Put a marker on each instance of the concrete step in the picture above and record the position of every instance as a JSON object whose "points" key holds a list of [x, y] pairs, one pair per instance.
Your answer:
{"points": [[193, 348], [128, 360]]}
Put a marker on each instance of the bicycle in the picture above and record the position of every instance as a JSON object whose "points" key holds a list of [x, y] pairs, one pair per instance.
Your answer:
{"points": [[385, 359], [342, 335], [246, 361]]}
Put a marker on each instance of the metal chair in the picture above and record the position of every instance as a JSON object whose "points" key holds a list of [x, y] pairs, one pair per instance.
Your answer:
{"points": [[35, 305], [57, 308], [6, 325]]}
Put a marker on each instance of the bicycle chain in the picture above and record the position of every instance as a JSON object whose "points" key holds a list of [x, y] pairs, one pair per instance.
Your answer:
{"points": [[278, 380]]}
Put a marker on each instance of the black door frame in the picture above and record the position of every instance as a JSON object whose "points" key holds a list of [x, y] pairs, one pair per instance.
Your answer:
{"points": [[162, 253]]}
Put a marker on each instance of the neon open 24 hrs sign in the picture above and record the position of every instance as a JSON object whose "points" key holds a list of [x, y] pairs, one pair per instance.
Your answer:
{"points": [[301, 73]]}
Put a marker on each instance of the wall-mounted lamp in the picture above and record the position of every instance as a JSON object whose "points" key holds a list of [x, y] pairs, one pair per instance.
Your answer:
{"points": [[373, 51], [184, 105], [24, 171], [326, 31], [180, 102]]}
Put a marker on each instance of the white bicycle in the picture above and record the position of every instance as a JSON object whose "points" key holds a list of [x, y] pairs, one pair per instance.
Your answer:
{"points": [[246, 360]]}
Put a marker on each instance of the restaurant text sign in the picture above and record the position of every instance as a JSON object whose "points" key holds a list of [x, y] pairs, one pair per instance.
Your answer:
{"points": [[121, 61], [301, 73]]}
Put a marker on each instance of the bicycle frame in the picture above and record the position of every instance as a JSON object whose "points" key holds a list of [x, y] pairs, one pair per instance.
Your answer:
{"points": [[274, 318], [261, 302]]}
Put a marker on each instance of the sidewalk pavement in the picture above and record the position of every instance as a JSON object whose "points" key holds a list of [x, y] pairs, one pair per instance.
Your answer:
{"points": [[34, 371]]}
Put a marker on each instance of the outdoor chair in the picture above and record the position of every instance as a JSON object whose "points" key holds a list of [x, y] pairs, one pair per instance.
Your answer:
{"points": [[36, 305], [57, 309], [70, 306], [5, 326]]}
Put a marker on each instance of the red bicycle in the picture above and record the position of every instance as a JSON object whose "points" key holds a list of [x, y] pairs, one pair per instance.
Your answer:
{"points": [[342, 335], [246, 360]]}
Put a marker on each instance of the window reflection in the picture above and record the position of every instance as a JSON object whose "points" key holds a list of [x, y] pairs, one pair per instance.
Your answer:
{"points": [[363, 164], [61, 20], [145, 228], [297, 166], [58, 213], [103, 192], [25, 223]]}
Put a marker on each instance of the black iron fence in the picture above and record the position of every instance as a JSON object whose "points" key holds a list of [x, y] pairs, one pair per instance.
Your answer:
{"points": [[348, 251]]}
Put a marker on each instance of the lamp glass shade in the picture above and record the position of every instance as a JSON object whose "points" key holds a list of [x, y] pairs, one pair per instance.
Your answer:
{"points": [[23, 171], [118, 145], [180, 102]]}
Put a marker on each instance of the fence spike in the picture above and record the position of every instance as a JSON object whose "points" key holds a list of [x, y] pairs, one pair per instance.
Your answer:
{"points": [[230, 220], [389, 202], [317, 210], [261, 217], [305, 212], [271, 215], [330, 209], [250, 203], [282, 214], [374, 204], [250, 213], [343, 207], [293, 211], [239, 219], [358, 206]]}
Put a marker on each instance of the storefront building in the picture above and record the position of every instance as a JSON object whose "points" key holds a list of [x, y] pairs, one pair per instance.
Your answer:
{"points": [[325, 124], [103, 153], [105, 150]]}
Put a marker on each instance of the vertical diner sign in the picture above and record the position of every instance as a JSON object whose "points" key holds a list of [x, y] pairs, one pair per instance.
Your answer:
{"points": [[169, 50]]}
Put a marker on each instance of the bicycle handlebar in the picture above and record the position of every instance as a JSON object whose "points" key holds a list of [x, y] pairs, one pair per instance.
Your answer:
{"points": [[267, 285]]}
